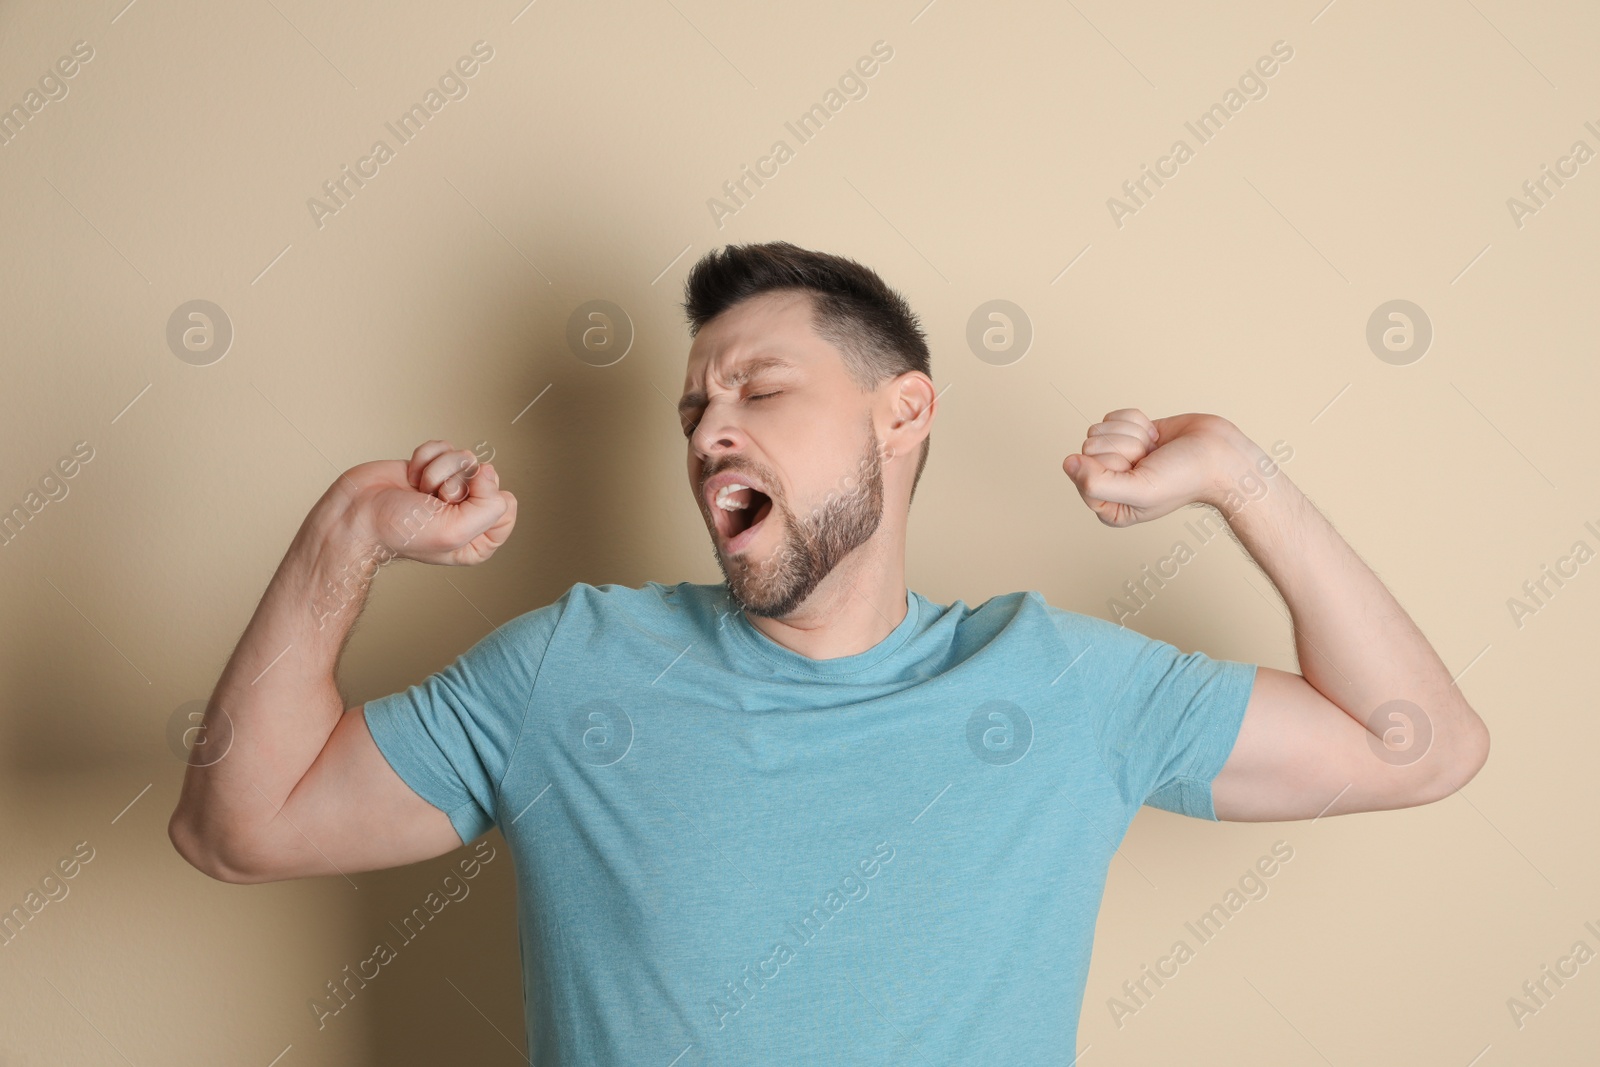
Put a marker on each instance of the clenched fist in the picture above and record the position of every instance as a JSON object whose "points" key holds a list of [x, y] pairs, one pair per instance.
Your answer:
{"points": [[1133, 469], [442, 506]]}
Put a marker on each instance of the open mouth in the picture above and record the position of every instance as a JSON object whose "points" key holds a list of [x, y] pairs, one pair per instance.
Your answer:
{"points": [[739, 511]]}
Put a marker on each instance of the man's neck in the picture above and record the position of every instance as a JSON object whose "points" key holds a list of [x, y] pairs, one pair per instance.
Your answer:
{"points": [[856, 606]]}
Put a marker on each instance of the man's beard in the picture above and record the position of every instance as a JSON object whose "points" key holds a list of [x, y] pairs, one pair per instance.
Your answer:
{"points": [[810, 550]]}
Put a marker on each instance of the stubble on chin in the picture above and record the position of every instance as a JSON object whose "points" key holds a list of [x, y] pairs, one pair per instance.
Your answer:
{"points": [[765, 586], [776, 585]]}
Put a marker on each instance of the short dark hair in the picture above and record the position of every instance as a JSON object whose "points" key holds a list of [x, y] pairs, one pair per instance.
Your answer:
{"points": [[851, 307]]}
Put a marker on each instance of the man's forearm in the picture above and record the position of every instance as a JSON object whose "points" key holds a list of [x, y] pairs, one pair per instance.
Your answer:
{"points": [[277, 701], [1356, 644]]}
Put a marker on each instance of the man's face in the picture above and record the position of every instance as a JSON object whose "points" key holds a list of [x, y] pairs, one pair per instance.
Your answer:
{"points": [[769, 406]]}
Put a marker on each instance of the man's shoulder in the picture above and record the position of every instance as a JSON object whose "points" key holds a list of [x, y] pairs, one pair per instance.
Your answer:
{"points": [[650, 604], [609, 613], [649, 596], [1026, 617], [1030, 606]]}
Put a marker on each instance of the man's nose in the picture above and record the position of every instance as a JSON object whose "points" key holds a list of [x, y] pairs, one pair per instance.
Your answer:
{"points": [[716, 435]]}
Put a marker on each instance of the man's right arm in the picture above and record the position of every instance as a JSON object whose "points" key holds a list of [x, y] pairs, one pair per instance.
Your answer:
{"points": [[300, 788]]}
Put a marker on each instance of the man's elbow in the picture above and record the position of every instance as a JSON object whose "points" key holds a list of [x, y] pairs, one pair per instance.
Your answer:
{"points": [[209, 856], [1471, 755]]}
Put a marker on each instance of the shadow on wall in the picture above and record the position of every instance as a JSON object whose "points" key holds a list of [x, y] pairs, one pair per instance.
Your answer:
{"points": [[586, 488], [448, 985]]}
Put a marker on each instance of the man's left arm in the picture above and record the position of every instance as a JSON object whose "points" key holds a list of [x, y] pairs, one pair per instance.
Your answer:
{"points": [[1373, 721]]}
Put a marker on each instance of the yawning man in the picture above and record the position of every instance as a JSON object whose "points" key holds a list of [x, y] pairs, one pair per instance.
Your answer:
{"points": [[807, 815]]}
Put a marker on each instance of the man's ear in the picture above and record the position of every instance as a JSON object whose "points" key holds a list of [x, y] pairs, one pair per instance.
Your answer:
{"points": [[914, 401]]}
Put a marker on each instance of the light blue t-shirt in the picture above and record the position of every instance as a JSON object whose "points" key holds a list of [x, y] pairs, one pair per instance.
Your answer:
{"points": [[729, 853]]}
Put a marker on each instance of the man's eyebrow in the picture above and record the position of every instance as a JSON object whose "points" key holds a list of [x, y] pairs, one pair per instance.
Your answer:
{"points": [[740, 374]]}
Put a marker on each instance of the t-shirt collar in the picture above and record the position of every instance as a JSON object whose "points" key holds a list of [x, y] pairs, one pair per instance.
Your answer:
{"points": [[746, 635]]}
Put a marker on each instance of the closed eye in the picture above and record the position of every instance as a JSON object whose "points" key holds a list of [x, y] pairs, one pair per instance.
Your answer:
{"points": [[689, 428]]}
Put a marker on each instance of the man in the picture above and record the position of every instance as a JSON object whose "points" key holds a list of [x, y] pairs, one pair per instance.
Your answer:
{"points": [[807, 815]]}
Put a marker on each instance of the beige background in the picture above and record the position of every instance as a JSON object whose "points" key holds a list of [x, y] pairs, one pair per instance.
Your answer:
{"points": [[977, 167]]}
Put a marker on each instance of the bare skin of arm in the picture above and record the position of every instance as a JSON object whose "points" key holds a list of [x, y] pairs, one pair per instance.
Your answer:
{"points": [[302, 789], [1310, 743]]}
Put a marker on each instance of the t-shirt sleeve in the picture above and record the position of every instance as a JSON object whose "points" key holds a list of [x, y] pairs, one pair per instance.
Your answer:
{"points": [[451, 736], [1165, 720]]}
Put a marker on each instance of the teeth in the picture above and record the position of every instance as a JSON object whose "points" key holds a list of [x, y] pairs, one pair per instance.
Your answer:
{"points": [[726, 491]]}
